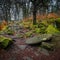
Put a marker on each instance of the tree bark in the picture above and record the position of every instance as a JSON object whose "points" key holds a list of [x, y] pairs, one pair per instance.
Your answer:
{"points": [[34, 14]]}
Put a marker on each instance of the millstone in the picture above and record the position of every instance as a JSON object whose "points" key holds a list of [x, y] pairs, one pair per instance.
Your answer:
{"points": [[38, 39]]}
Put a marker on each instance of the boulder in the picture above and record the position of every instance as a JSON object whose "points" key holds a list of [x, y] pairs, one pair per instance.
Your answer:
{"points": [[39, 39]]}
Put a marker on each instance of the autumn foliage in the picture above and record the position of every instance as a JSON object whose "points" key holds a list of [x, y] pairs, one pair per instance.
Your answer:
{"points": [[43, 16], [3, 25]]}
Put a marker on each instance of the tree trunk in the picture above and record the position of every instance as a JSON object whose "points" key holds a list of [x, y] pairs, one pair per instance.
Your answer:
{"points": [[34, 15]]}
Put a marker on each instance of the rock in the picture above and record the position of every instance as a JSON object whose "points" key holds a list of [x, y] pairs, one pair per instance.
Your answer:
{"points": [[27, 58], [48, 46], [22, 47], [38, 39], [44, 51], [45, 37]]}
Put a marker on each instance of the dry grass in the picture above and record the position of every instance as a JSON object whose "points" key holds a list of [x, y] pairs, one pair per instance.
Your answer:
{"points": [[43, 17]]}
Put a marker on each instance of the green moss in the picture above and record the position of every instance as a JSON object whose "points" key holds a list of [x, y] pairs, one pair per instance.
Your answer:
{"points": [[47, 46], [20, 35], [4, 41], [58, 19], [28, 34], [2, 38], [9, 31], [33, 26], [52, 30], [37, 30], [58, 23], [51, 20], [45, 22]]}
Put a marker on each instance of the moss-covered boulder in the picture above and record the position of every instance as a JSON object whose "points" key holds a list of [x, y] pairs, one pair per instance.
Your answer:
{"points": [[4, 41], [38, 39], [48, 46]]}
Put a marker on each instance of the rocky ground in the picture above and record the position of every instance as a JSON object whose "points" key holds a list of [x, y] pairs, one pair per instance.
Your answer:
{"points": [[21, 51]]}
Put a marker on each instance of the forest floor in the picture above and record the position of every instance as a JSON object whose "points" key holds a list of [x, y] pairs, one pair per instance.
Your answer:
{"points": [[21, 51]]}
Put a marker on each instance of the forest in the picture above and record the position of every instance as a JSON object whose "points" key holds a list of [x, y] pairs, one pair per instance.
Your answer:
{"points": [[29, 29], [19, 9]]}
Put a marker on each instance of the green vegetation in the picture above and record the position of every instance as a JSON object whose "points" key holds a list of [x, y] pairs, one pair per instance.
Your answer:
{"points": [[42, 27], [20, 35], [37, 30], [27, 29], [52, 30], [58, 19], [8, 31], [28, 34], [41, 21], [4, 41], [58, 23]]}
